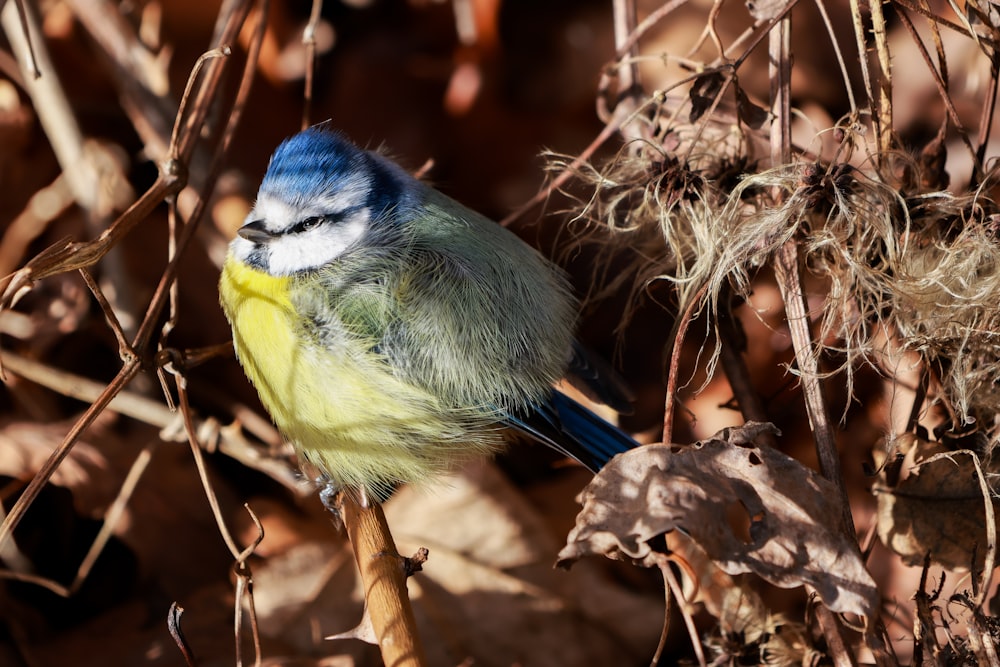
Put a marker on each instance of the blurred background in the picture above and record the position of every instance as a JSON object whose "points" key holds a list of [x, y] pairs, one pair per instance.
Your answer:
{"points": [[478, 96]]}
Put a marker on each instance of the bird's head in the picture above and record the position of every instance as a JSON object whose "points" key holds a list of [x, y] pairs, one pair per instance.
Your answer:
{"points": [[321, 197]]}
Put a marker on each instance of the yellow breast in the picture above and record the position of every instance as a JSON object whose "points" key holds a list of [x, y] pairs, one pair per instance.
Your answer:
{"points": [[340, 404]]}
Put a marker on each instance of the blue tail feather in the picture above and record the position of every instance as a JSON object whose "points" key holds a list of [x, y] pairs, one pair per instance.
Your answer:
{"points": [[570, 428]]}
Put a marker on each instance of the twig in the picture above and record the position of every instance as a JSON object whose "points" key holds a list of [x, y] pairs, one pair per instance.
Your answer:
{"points": [[125, 351], [837, 649], [848, 88], [627, 71], [384, 578], [174, 627], [942, 87], [937, 19], [677, 345], [113, 515], [50, 102], [30, 59], [786, 266], [44, 206], [606, 133], [244, 589], [674, 586], [732, 345], [42, 477], [187, 233], [883, 126], [309, 40], [230, 439], [105, 23], [199, 460], [780, 75]]}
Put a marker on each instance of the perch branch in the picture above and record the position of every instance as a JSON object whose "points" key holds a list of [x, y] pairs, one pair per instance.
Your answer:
{"points": [[383, 575]]}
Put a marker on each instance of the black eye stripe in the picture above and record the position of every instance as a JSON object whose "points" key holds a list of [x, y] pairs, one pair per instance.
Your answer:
{"points": [[314, 221], [309, 223]]}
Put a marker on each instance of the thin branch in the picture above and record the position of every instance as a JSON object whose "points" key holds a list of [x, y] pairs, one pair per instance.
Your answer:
{"points": [[43, 476], [309, 40], [49, 101], [786, 268], [835, 43], [883, 126], [114, 514], [732, 344], [227, 439], [674, 586], [187, 233], [244, 590], [677, 347], [199, 461], [942, 87]]}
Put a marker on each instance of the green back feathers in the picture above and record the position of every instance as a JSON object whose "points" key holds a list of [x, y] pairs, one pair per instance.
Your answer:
{"points": [[448, 312]]}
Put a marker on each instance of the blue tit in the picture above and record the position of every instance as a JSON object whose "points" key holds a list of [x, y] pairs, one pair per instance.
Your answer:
{"points": [[390, 331]]}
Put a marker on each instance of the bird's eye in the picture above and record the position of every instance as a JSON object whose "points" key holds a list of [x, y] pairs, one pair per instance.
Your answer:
{"points": [[309, 223]]}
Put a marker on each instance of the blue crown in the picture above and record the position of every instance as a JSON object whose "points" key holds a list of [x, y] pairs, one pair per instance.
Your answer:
{"points": [[314, 164]]}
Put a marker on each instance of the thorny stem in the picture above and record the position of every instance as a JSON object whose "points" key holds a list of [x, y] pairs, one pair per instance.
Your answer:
{"points": [[382, 573]]}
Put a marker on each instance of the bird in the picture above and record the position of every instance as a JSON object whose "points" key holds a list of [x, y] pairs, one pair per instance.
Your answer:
{"points": [[393, 333]]}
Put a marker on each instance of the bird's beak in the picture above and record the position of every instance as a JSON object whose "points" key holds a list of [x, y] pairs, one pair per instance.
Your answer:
{"points": [[255, 232]]}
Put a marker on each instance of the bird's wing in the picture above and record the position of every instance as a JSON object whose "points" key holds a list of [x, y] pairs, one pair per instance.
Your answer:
{"points": [[598, 380], [571, 429]]}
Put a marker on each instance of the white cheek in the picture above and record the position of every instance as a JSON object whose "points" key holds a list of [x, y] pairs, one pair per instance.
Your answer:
{"points": [[241, 248], [301, 252]]}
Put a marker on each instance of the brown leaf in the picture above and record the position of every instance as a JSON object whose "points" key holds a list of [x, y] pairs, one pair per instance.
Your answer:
{"points": [[488, 593], [795, 534], [984, 17], [753, 115], [935, 509], [703, 93]]}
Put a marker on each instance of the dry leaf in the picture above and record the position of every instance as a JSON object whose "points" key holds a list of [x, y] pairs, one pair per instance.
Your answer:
{"points": [[983, 17], [703, 93], [753, 115], [935, 508], [795, 534], [488, 592], [25, 447]]}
